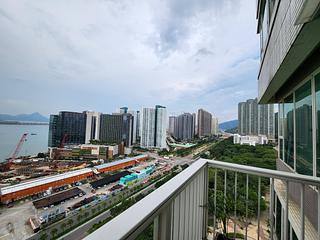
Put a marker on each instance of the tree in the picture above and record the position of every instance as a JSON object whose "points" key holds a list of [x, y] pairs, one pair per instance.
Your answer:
{"points": [[99, 207], [44, 236], [86, 214], [53, 232], [70, 222], [79, 217], [93, 211], [63, 226]]}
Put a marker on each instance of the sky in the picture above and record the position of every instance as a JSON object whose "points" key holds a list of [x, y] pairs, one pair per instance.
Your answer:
{"points": [[100, 55]]}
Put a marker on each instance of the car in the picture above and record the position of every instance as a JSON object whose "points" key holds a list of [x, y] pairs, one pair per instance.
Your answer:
{"points": [[9, 205]]}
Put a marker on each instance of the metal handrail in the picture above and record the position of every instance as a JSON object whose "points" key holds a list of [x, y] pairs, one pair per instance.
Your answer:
{"points": [[264, 172]]}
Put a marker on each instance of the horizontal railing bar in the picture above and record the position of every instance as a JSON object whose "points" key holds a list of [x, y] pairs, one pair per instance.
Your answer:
{"points": [[263, 172]]}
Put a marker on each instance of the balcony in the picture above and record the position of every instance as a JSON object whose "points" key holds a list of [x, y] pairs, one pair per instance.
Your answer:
{"points": [[182, 208]]}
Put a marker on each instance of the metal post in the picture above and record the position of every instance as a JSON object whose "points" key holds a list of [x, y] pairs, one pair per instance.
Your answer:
{"points": [[162, 225], [259, 198], [302, 211], [156, 228], [286, 213], [205, 202], [271, 207], [235, 205], [247, 201], [215, 202], [318, 212], [225, 197]]}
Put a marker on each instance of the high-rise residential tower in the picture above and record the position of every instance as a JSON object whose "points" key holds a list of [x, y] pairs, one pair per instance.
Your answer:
{"points": [[255, 119], [160, 127], [92, 126], [134, 125], [214, 126], [153, 127], [184, 127], [266, 120], [171, 126], [204, 123], [147, 127]]}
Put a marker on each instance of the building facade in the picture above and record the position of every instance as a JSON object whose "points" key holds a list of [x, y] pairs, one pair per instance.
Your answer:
{"points": [[116, 128], [183, 128], [53, 139], [266, 120], [204, 123], [290, 76], [172, 120], [92, 126], [160, 127], [147, 127], [68, 128], [153, 127], [256, 119], [214, 126]]}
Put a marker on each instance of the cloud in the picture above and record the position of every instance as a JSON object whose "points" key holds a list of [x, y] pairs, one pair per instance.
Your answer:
{"points": [[77, 55]]}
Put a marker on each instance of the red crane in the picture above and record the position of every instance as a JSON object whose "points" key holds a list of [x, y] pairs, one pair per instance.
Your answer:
{"points": [[18, 147], [65, 136], [5, 166]]}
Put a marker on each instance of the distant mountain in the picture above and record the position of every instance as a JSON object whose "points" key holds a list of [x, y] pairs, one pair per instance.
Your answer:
{"points": [[33, 117], [229, 124]]}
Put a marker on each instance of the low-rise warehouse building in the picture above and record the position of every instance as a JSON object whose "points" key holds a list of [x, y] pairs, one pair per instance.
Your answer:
{"points": [[56, 199], [107, 180], [25, 189], [116, 165]]}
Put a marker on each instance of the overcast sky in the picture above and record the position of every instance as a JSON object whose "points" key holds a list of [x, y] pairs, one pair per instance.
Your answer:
{"points": [[101, 55]]}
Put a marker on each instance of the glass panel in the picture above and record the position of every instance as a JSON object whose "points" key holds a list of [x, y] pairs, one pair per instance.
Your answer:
{"points": [[281, 148], [280, 119], [317, 83], [288, 130], [304, 129]]}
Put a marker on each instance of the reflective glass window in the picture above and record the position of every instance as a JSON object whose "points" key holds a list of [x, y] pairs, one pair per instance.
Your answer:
{"points": [[303, 99]]}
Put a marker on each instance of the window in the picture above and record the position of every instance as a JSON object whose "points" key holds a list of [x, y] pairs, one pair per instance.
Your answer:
{"points": [[303, 117], [288, 136], [317, 87]]}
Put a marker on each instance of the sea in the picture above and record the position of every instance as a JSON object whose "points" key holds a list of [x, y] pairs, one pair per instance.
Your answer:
{"points": [[37, 139]]}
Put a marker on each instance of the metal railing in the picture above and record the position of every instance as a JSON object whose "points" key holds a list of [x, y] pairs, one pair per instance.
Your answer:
{"points": [[179, 208]]}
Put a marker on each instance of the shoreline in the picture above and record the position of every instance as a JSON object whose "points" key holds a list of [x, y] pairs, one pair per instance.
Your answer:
{"points": [[23, 123]]}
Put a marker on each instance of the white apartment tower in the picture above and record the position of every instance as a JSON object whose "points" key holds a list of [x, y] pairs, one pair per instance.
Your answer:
{"points": [[214, 126], [147, 127], [160, 127], [92, 126], [153, 127]]}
